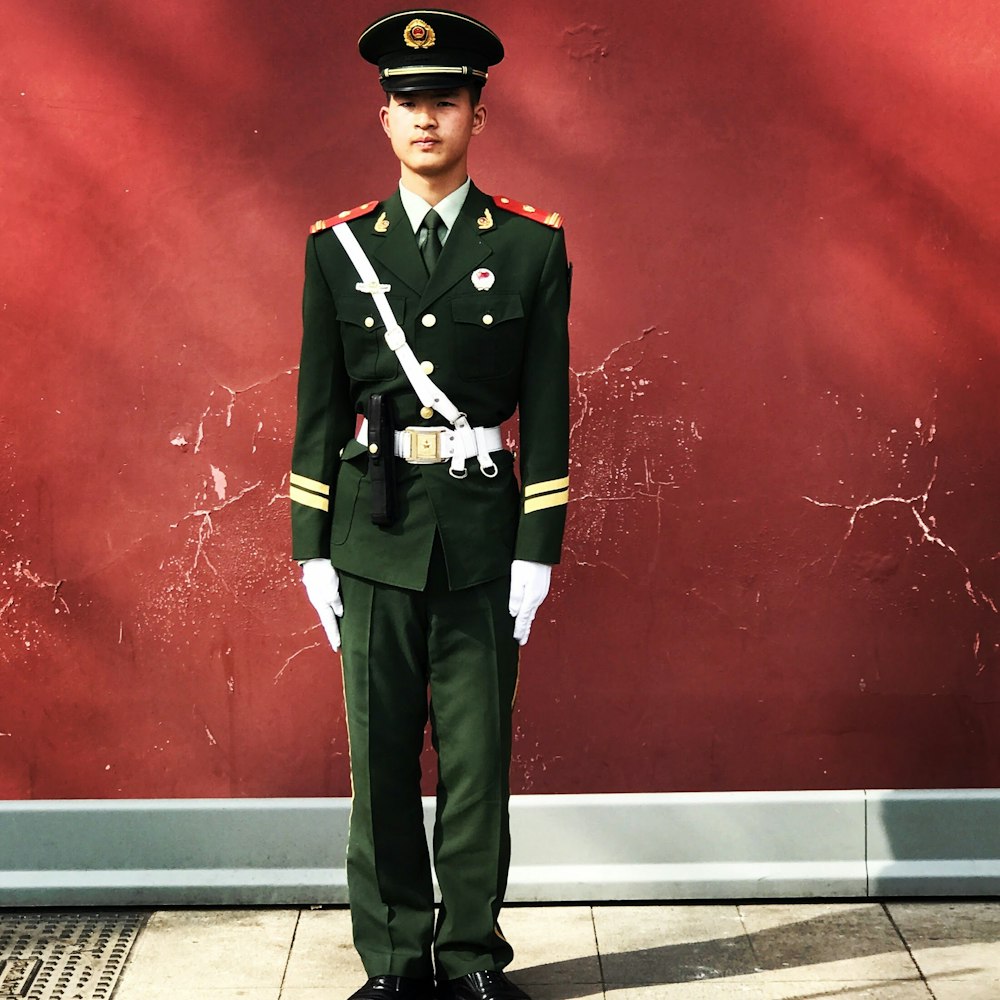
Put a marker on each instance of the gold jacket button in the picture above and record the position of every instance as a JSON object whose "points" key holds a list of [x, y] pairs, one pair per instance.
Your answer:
{"points": [[488, 320], [429, 319], [369, 322], [426, 412], [373, 448], [427, 367]]}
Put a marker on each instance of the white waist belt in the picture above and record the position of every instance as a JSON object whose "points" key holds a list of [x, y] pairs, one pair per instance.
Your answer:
{"points": [[430, 445]]}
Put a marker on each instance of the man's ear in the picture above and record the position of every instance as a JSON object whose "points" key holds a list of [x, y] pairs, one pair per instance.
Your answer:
{"points": [[478, 119], [383, 117]]}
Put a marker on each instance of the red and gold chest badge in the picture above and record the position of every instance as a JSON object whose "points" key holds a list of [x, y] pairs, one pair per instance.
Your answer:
{"points": [[419, 34]]}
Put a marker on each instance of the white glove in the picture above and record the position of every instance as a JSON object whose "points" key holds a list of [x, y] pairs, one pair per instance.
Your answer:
{"points": [[323, 589], [529, 584]]}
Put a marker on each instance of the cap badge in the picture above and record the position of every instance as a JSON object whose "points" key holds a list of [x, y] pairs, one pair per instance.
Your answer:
{"points": [[485, 221], [483, 279], [419, 34]]}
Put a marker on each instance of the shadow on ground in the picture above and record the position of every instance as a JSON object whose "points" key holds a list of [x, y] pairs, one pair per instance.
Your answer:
{"points": [[823, 940]]}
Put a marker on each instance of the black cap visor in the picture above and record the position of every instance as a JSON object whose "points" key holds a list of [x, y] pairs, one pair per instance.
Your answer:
{"points": [[431, 71]]}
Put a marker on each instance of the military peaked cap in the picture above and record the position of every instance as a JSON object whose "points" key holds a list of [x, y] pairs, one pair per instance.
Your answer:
{"points": [[429, 50]]}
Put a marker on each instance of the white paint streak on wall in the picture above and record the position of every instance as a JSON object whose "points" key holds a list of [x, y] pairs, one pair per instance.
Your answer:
{"points": [[277, 676], [220, 482]]}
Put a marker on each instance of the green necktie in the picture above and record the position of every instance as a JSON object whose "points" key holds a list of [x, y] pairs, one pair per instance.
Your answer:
{"points": [[429, 239]]}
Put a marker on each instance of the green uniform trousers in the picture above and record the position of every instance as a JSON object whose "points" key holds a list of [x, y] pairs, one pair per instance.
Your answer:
{"points": [[459, 644]]}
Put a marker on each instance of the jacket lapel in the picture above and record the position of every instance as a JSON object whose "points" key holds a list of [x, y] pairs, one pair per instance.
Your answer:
{"points": [[463, 251], [388, 238]]}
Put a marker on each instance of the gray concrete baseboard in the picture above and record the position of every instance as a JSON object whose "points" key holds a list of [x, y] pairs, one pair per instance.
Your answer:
{"points": [[671, 846]]}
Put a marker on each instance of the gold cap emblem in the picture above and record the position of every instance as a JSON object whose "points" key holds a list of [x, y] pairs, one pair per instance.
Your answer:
{"points": [[419, 34]]}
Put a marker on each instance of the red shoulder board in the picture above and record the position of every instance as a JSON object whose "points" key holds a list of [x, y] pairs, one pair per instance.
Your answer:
{"points": [[553, 219], [351, 213]]}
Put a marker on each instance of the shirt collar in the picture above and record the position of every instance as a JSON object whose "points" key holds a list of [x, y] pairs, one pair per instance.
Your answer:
{"points": [[448, 207]]}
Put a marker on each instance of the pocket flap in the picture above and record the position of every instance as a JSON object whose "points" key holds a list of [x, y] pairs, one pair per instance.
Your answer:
{"points": [[356, 309], [352, 449], [486, 310]]}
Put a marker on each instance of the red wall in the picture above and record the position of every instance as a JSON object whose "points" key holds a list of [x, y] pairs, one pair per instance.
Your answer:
{"points": [[782, 557]]}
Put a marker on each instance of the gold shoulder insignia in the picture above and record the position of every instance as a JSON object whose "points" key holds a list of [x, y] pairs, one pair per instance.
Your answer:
{"points": [[553, 219], [351, 213]]}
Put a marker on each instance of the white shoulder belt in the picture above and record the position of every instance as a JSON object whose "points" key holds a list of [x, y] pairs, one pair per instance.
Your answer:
{"points": [[427, 392]]}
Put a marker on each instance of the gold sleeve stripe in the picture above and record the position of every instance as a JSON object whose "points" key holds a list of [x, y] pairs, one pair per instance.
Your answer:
{"points": [[549, 500], [310, 484], [308, 499], [553, 484]]}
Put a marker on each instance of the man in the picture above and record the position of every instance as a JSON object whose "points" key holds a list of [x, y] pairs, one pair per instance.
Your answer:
{"points": [[432, 315]]}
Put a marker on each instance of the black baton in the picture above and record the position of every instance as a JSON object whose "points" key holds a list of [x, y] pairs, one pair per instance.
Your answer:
{"points": [[381, 459]]}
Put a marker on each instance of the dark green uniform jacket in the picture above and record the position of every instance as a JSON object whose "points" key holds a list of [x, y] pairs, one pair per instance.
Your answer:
{"points": [[490, 350]]}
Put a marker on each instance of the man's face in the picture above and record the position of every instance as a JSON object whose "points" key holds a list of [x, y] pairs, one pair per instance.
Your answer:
{"points": [[430, 130]]}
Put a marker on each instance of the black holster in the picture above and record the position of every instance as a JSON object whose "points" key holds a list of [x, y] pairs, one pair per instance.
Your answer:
{"points": [[381, 458]]}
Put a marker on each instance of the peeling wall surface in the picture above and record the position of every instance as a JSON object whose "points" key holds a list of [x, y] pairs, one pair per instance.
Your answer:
{"points": [[782, 566]]}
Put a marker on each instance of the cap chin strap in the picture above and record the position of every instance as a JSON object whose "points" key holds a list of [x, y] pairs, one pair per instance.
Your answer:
{"points": [[388, 74], [427, 392]]}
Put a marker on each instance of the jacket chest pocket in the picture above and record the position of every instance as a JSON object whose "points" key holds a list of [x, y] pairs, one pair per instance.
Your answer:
{"points": [[490, 334], [366, 354]]}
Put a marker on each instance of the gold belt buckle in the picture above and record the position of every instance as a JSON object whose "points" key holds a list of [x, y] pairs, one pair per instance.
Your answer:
{"points": [[425, 446]]}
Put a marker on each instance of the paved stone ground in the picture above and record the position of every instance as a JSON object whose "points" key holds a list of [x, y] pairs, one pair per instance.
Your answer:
{"points": [[770, 951]]}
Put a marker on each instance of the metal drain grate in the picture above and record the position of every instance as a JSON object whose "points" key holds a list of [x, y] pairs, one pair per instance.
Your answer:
{"points": [[64, 956]]}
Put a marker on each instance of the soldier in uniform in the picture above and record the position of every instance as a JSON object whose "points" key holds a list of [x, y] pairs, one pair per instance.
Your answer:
{"points": [[429, 318]]}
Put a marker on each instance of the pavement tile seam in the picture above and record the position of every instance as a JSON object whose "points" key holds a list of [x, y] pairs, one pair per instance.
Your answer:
{"points": [[906, 944], [291, 949], [597, 952]]}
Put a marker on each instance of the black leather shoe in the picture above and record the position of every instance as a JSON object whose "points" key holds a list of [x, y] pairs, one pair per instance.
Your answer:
{"points": [[395, 988], [480, 986]]}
